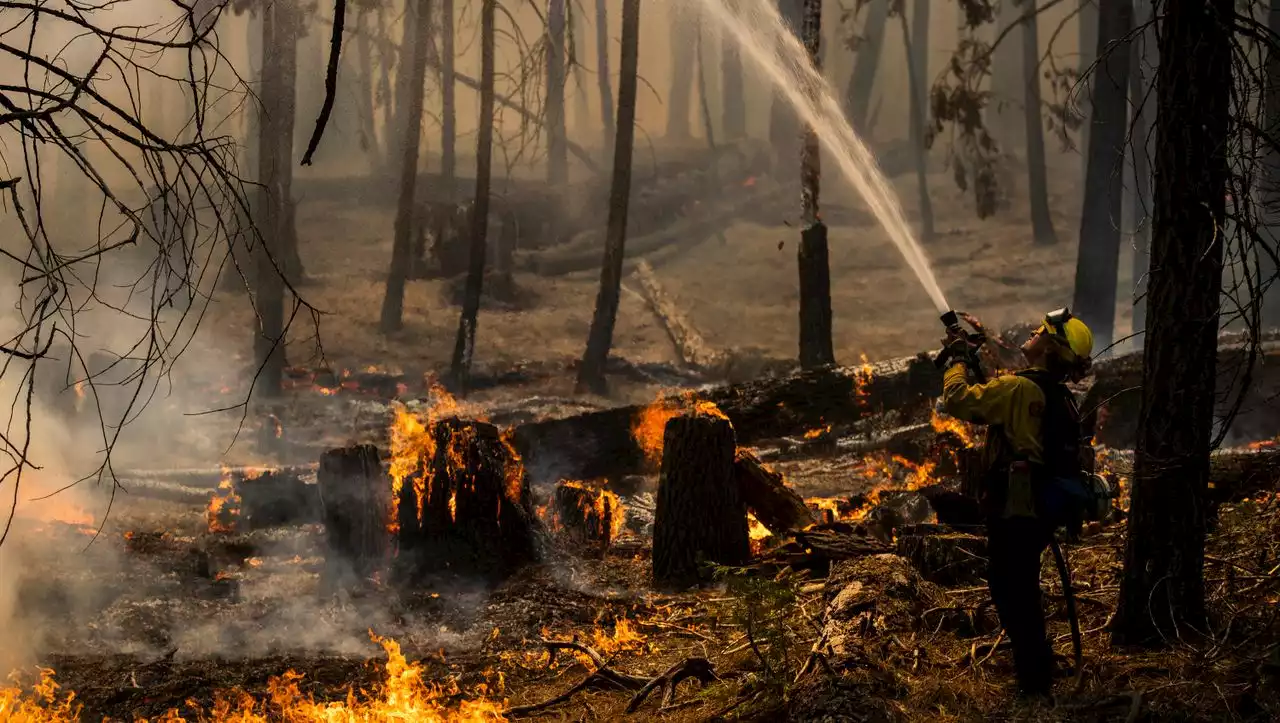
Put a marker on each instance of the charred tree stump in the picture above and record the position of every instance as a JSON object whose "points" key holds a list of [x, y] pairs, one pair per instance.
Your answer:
{"points": [[355, 504], [589, 513], [467, 510], [764, 491], [700, 514], [275, 498]]}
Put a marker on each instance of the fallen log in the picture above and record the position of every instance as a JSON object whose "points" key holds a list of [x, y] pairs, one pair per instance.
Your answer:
{"points": [[466, 510], [689, 344], [355, 497], [601, 444], [700, 516], [766, 495]]}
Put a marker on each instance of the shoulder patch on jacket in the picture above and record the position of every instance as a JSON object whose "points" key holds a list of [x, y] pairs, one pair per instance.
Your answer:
{"points": [[1036, 409]]}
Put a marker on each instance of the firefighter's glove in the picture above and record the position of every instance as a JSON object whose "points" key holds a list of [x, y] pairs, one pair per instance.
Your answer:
{"points": [[956, 350]]}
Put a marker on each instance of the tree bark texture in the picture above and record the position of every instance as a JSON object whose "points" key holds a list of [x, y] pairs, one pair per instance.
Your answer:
{"points": [[603, 78], [815, 272], [700, 516], [269, 292], [1144, 59], [866, 60], [1038, 177], [600, 338], [557, 151], [467, 510], [411, 134], [355, 496], [1098, 258], [1270, 182], [733, 108], [765, 492], [680, 93], [917, 110], [1162, 589], [464, 348], [448, 106]]}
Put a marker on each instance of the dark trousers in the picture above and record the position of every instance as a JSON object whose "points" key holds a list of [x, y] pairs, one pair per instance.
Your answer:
{"points": [[1014, 547]]}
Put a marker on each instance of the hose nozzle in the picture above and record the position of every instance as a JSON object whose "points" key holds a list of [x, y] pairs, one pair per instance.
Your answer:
{"points": [[951, 320]]}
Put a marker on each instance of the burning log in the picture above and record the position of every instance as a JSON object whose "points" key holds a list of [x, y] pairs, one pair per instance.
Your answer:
{"points": [[466, 508], [690, 346], [767, 496], [589, 512], [353, 495], [700, 513]]}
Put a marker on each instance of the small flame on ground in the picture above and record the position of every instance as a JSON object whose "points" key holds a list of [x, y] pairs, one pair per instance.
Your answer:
{"points": [[224, 504], [758, 534], [817, 432], [943, 424]]}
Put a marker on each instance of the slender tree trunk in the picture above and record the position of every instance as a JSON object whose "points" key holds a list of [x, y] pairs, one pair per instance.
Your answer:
{"points": [[1162, 594], [415, 67], [464, 348], [914, 82], [591, 370], [1098, 258], [733, 118], [403, 73], [815, 272], [557, 151], [681, 94], [269, 292], [918, 58], [288, 27], [1270, 182], [866, 61], [1144, 59], [603, 77], [1087, 23], [1008, 84], [577, 32], [386, 61], [368, 116], [1038, 177], [448, 105]]}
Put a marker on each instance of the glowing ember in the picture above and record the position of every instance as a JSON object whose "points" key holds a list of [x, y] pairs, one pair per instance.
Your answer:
{"points": [[413, 447], [758, 534], [403, 696], [943, 424], [817, 432], [453, 507], [599, 507], [623, 637], [862, 380]]}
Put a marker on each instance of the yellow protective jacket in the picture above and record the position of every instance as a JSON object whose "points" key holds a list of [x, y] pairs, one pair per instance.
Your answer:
{"points": [[1012, 406]]}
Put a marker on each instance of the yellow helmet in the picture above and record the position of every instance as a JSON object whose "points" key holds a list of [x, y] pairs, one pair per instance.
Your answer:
{"points": [[1070, 331]]}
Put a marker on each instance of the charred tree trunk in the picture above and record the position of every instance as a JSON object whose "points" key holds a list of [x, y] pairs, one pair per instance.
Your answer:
{"points": [[464, 348], [733, 109], [866, 61], [386, 62], [766, 494], [557, 151], [1008, 89], [1162, 590], [918, 71], [356, 500], [680, 94], [700, 516], [405, 56], [1098, 259], [1038, 175], [448, 107], [402, 248], [1143, 61], [815, 271], [368, 105], [466, 511], [589, 513], [603, 78], [600, 338], [288, 29], [269, 292], [917, 110], [1270, 182], [578, 31], [1088, 23]]}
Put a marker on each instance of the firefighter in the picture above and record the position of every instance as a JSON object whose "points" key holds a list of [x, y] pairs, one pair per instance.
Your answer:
{"points": [[1033, 438]]}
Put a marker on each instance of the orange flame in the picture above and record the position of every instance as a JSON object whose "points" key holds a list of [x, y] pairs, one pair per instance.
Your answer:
{"points": [[223, 505], [942, 424], [600, 507], [650, 422]]}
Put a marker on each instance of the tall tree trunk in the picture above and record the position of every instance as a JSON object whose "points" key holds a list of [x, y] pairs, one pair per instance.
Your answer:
{"points": [[813, 261], [867, 59], [1008, 84], [368, 116], [600, 338], [680, 96], [733, 109], [577, 33], [918, 58], [1098, 258], [288, 27], [557, 151], [1087, 23], [917, 110], [1162, 589], [1144, 59], [269, 292], [403, 74], [603, 77], [448, 105], [1038, 176], [390, 131], [784, 122], [402, 247], [464, 348], [1270, 182]]}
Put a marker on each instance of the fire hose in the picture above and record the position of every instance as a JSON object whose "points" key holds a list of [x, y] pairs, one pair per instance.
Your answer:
{"points": [[973, 341]]}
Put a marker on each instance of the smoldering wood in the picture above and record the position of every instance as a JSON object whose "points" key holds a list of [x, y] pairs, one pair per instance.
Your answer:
{"points": [[355, 498], [588, 512], [476, 515], [275, 498], [700, 515], [778, 507], [689, 344]]}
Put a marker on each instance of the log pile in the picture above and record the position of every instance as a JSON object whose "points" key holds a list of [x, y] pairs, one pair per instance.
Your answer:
{"points": [[466, 509], [700, 515]]}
